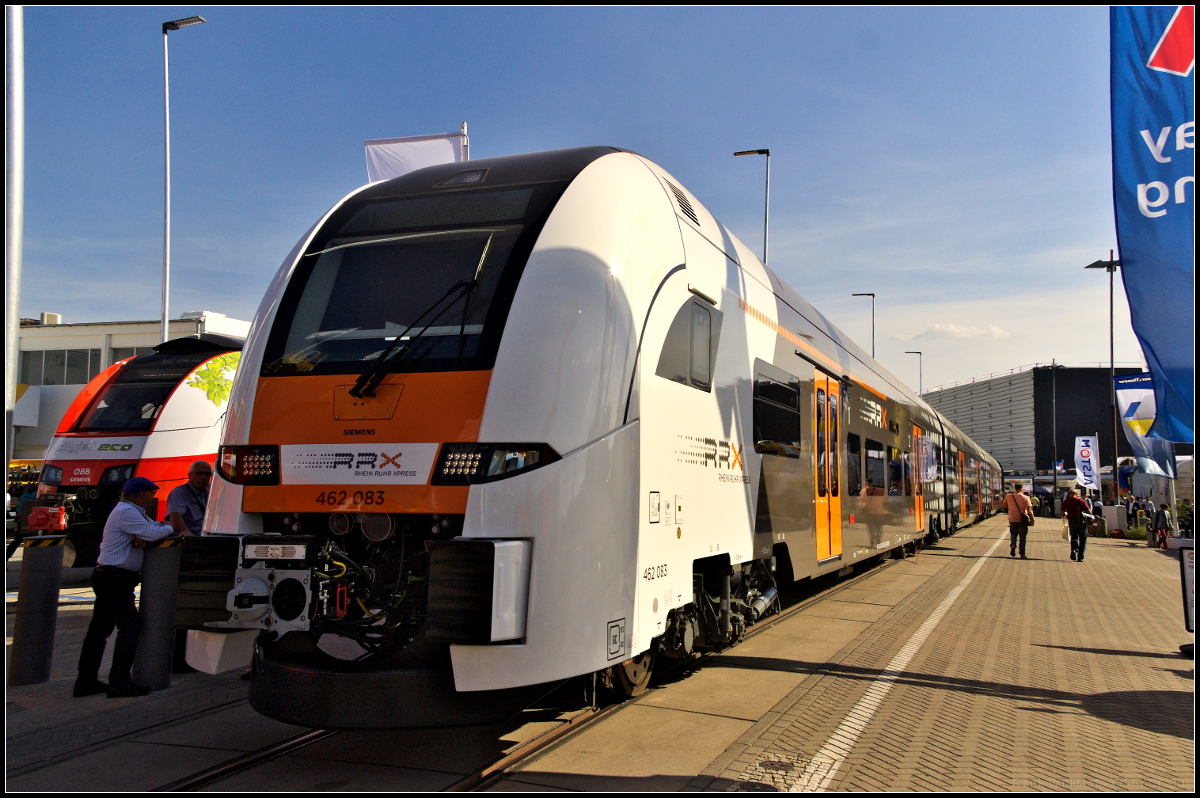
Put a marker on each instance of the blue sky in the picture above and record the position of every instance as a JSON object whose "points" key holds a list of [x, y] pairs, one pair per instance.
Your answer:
{"points": [[953, 161]]}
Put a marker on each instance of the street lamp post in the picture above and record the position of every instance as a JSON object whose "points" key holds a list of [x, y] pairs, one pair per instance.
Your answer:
{"points": [[767, 202], [920, 371], [872, 321], [167, 27], [1111, 266]]}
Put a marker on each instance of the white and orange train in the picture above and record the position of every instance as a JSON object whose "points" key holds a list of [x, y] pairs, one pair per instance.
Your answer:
{"points": [[148, 416], [508, 422]]}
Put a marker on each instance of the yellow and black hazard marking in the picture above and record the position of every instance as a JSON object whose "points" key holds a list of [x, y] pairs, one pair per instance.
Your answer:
{"points": [[164, 543], [49, 540]]}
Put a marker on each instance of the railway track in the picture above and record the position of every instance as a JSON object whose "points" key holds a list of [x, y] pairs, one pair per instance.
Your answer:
{"points": [[497, 769]]}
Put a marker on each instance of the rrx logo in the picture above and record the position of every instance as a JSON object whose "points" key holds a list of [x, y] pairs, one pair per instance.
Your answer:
{"points": [[356, 460]]}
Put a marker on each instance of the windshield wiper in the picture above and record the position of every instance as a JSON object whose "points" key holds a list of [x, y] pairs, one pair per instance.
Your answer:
{"points": [[369, 379]]}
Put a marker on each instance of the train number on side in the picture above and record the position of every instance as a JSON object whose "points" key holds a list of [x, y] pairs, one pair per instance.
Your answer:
{"points": [[336, 498], [655, 572]]}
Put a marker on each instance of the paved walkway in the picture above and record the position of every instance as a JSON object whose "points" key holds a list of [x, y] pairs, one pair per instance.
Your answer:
{"points": [[954, 670], [960, 669]]}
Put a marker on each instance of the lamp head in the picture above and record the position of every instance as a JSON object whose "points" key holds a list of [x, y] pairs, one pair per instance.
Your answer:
{"points": [[182, 23]]}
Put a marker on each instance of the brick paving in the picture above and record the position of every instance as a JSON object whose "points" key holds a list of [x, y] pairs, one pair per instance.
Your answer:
{"points": [[1045, 675], [45, 725]]}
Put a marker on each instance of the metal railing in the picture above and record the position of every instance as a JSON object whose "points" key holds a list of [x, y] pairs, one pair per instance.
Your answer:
{"points": [[1027, 367]]}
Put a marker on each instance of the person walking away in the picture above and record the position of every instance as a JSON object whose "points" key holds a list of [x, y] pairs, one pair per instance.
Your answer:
{"points": [[1020, 516], [1073, 509], [128, 529], [186, 505], [1162, 525]]}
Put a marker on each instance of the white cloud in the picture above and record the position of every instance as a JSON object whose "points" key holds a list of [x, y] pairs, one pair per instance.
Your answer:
{"points": [[935, 331]]}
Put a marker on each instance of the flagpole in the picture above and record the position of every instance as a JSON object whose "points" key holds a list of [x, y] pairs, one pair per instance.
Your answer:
{"points": [[1054, 430]]}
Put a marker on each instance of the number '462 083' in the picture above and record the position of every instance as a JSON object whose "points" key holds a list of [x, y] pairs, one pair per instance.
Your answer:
{"points": [[655, 572], [335, 498]]}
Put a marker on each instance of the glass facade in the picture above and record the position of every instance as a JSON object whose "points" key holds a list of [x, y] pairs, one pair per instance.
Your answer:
{"points": [[59, 366]]}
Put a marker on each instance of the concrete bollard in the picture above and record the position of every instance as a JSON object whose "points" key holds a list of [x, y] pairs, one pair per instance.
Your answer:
{"points": [[160, 581], [37, 610]]}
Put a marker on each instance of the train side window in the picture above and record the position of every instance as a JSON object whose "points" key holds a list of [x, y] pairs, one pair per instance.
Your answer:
{"points": [[876, 469], [690, 349], [909, 488], [834, 436], [776, 412], [853, 464], [701, 371]]}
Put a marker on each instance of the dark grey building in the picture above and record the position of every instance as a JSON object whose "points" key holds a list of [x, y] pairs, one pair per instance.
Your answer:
{"points": [[1013, 416]]}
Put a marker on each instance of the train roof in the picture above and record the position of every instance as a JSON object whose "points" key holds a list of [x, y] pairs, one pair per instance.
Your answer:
{"points": [[199, 344], [533, 167]]}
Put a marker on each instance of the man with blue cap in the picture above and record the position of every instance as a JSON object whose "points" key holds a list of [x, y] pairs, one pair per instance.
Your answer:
{"points": [[118, 570]]}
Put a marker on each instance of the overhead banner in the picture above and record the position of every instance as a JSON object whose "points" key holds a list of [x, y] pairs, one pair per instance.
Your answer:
{"points": [[1087, 462], [1135, 404], [388, 158], [1154, 167]]}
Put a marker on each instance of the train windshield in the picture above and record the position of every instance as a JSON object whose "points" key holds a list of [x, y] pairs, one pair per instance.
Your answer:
{"points": [[424, 282], [133, 401]]}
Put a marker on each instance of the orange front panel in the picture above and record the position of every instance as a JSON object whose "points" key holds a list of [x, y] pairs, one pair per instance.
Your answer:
{"points": [[451, 499], [436, 407]]}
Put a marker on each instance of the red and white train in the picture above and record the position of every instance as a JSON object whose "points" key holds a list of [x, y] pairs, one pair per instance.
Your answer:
{"points": [[148, 416]]}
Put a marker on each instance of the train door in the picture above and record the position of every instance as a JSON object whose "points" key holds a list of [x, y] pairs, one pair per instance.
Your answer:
{"points": [[979, 487], [827, 397], [962, 486], [920, 474], [950, 504]]}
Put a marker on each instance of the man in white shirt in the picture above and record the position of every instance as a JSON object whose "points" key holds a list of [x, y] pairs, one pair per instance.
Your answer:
{"points": [[118, 571]]}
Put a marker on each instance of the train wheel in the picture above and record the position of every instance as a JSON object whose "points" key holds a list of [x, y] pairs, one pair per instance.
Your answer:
{"points": [[632, 677]]}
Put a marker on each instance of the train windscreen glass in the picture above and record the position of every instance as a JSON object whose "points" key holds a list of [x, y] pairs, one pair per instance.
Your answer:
{"points": [[414, 281], [133, 400], [362, 295]]}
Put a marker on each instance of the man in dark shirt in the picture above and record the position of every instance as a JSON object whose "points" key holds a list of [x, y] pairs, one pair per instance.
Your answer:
{"points": [[186, 504], [1073, 509]]}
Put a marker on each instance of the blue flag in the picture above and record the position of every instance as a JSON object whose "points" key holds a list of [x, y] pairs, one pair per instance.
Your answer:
{"points": [[1153, 136]]}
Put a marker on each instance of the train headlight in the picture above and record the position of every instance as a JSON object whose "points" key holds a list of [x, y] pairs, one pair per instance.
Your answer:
{"points": [[473, 463], [117, 475], [249, 465], [51, 475]]}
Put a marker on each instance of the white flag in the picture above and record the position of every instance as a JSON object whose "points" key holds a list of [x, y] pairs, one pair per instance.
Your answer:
{"points": [[1087, 462], [388, 158]]}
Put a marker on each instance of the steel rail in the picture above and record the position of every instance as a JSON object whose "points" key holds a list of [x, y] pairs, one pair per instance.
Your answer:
{"points": [[493, 772], [245, 761], [488, 776]]}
